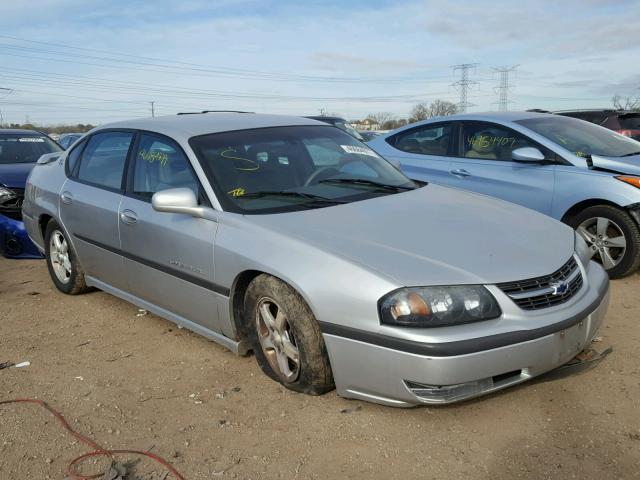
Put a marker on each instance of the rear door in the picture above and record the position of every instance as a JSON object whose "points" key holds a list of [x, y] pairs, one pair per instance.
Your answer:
{"points": [[169, 256], [484, 165], [89, 203], [425, 152]]}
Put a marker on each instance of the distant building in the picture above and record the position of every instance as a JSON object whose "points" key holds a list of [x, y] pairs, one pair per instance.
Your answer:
{"points": [[366, 124]]}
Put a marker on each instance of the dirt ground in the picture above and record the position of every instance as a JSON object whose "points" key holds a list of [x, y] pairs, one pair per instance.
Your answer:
{"points": [[139, 382]]}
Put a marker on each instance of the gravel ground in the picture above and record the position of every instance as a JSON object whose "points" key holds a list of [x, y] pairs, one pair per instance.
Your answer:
{"points": [[139, 382]]}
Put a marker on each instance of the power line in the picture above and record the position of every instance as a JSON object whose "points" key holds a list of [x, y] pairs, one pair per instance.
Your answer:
{"points": [[503, 89], [464, 84]]}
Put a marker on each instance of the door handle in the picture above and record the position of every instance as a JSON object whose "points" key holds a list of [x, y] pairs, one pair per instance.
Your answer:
{"points": [[129, 217], [66, 197], [461, 172]]}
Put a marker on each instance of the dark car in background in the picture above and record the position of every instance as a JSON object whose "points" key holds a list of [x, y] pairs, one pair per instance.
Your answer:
{"points": [[19, 152], [624, 122], [341, 123]]}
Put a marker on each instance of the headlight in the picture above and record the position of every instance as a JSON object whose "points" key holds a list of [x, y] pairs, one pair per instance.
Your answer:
{"points": [[438, 306], [6, 194], [582, 249]]}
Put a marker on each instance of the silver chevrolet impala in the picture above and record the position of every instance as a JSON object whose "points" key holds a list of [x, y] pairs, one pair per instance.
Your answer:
{"points": [[290, 238]]}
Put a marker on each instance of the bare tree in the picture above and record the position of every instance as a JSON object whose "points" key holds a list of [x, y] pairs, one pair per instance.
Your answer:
{"points": [[437, 108], [626, 103], [381, 117]]}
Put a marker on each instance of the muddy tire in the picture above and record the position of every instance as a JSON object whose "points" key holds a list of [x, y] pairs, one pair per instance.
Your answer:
{"points": [[62, 261], [286, 337]]}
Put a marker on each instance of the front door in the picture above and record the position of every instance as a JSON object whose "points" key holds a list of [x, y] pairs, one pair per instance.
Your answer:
{"points": [[169, 256], [484, 165], [89, 203]]}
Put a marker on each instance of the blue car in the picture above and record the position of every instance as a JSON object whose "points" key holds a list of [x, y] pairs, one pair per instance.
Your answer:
{"points": [[582, 174], [19, 152]]}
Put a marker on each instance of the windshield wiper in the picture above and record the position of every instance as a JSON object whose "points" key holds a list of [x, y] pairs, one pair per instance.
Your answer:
{"points": [[371, 183], [285, 193], [630, 154]]}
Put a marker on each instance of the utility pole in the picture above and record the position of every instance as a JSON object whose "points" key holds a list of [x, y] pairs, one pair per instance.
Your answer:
{"points": [[9, 92], [503, 88], [153, 110], [464, 84]]}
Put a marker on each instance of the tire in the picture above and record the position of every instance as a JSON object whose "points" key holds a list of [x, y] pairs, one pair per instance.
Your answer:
{"points": [[591, 223], [64, 268], [290, 327]]}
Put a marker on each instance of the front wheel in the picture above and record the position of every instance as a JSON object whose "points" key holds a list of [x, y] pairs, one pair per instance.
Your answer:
{"points": [[62, 262], [613, 238], [286, 337]]}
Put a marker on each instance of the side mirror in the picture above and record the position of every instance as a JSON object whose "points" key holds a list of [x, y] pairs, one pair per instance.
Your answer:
{"points": [[181, 200], [527, 154]]}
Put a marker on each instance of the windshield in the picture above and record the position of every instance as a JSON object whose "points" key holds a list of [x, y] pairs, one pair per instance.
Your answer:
{"points": [[582, 138], [270, 170], [630, 121], [15, 148], [347, 127]]}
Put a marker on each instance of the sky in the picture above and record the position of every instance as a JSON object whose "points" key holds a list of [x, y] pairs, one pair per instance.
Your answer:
{"points": [[81, 61]]}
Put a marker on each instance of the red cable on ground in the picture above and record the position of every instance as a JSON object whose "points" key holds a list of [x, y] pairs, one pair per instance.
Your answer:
{"points": [[98, 450]]}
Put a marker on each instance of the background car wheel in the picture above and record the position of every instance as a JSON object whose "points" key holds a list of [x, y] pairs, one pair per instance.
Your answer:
{"points": [[285, 337], [613, 236], [64, 268]]}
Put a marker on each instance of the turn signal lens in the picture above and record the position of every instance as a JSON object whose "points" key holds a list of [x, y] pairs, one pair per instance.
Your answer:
{"points": [[635, 181]]}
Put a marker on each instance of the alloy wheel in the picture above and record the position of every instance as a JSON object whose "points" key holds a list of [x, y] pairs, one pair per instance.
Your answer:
{"points": [[59, 256], [606, 240], [277, 340]]}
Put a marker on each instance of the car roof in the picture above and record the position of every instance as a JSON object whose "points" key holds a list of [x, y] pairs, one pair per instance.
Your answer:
{"points": [[495, 116], [19, 131], [187, 126]]}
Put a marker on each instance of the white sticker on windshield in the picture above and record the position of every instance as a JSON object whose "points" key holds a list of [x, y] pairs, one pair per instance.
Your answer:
{"points": [[359, 150], [31, 139]]}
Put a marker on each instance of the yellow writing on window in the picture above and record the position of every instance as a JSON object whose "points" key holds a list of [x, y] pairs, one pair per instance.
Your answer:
{"points": [[486, 141], [155, 156], [237, 192]]}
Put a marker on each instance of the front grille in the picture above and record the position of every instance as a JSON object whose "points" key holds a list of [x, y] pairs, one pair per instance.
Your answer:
{"points": [[537, 293], [12, 207]]}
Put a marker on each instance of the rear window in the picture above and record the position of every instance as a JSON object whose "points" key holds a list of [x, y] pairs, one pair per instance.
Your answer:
{"points": [[630, 121], [16, 148]]}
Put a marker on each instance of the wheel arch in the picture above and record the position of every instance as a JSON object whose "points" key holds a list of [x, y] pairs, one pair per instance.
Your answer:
{"points": [[592, 202]]}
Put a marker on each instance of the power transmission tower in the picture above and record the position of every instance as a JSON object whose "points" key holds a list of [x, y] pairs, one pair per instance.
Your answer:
{"points": [[153, 109], [464, 84], [503, 89]]}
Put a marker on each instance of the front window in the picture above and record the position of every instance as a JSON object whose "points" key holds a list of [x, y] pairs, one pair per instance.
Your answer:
{"points": [[489, 141], [582, 138], [16, 148], [279, 169]]}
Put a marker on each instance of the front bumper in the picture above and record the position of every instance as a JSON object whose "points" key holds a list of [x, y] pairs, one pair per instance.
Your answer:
{"points": [[389, 376], [14, 240]]}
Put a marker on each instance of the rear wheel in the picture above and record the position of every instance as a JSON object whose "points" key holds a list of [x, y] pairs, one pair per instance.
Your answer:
{"points": [[286, 337], [613, 237], [62, 262]]}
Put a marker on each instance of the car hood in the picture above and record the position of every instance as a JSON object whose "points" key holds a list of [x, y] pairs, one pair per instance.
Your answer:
{"points": [[434, 236], [15, 174], [628, 165]]}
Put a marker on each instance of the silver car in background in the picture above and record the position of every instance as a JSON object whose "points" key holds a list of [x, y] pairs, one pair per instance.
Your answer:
{"points": [[290, 238]]}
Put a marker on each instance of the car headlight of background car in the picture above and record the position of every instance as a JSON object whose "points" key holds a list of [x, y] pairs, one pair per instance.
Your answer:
{"points": [[582, 249], [438, 306], [6, 194]]}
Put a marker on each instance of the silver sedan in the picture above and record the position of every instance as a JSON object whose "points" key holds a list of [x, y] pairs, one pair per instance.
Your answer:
{"points": [[290, 238]]}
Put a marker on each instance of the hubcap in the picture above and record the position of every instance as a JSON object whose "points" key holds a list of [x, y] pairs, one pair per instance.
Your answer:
{"points": [[606, 240], [277, 340], [59, 256]]}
